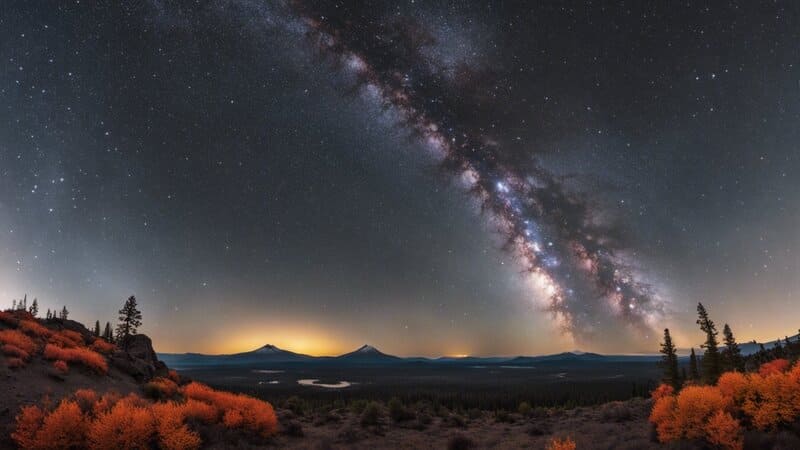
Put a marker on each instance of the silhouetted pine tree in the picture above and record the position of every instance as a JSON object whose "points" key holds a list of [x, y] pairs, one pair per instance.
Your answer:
{"points": [[693, 372], [778, 350], [97, 328], [64, 313], [731, 354], [107, 334], [130, 318], [49, 316], [669, 362], [34, 309], [711, 359]]}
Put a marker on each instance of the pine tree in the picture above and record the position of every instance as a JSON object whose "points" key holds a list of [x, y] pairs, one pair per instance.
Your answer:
{"points": [[64, 313], [49, 316], [97, 328], [107, 335], [24, 305], [693, 372], [669, 362], [778, 349], [130, 318], [731, 354], [13, 304], [711, 358], [34, 309]]}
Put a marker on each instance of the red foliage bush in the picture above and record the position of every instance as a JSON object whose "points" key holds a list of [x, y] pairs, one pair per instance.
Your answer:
{"points": [[766, 400], [101, 346], [67, 339], [173, 434], [14, 351], [202, 411], [773, 367], [84, 356], [173, 375], [561, 444], [63, 428], [238, 410], [112, 422], [161, 388], [125, 426], [86, 399], [61, 366], [33, 328], [8, 319], [723, 430], [18, 339]]}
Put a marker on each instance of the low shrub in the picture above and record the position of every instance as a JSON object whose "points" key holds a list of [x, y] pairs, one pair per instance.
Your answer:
{"points": [[561, 444], [371, 415], [101, 346], [398, 412], [88, 358], [19, 340], [160, 389], [61, 367], [33, 328]]}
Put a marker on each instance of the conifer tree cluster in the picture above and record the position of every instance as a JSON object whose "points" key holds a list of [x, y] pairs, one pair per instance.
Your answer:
{"points": [[716, 360]]}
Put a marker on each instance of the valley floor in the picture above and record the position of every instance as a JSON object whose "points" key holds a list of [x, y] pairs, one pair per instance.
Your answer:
{"points": [[618, 425]]}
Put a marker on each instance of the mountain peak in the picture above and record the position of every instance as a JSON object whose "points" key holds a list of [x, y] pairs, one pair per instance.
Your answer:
{"points": [[366, 348], [269, 349], [368, 352]]}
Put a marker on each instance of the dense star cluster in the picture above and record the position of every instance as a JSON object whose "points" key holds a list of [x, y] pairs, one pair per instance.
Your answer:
{"points": [[433, 177], [569, 253]]}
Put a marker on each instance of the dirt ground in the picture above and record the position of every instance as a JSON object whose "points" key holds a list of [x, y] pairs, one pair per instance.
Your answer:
{"points": [[621, 425]]}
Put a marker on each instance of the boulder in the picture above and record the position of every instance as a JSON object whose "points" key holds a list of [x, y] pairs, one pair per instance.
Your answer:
{"points": [[136, 357]]}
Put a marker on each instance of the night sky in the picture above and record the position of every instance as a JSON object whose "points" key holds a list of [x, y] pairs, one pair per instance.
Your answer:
{"points": [[427, 177]]}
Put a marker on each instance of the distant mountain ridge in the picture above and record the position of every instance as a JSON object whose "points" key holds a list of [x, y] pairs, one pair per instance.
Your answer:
{"points": [[370, 355]]}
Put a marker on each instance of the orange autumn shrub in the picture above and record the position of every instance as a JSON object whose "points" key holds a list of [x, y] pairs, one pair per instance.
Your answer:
{"points": [[61, 366], [106, 402], [8, 319], [161, 388], [772, 399], [173, 375], [84, 356], [112, 422], [561, 444], [723, 431], [125, 426], [63, 428], [14, 351], [256, 415], [695, 405], [29, 421], [173, 434], [663, 390], [734, 385], [765, 400], [33, 328], [202, 411], [17, 339], [663, 416], [86, 399], [67, 339], [773, 367], [101, 346]]}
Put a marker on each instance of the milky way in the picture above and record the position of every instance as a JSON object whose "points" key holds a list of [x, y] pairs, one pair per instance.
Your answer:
{"points": [[575, 259]]}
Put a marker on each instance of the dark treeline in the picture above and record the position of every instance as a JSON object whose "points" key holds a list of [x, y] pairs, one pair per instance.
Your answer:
{"points": [[717, 357]]}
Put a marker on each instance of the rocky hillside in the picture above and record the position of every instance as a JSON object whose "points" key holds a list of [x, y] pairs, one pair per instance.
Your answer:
{"points": [[27, 375]]}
